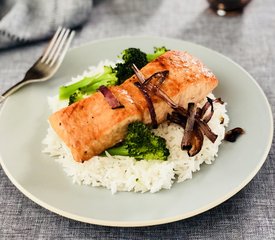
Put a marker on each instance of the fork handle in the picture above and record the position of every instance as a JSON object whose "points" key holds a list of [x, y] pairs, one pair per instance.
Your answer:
{"points": [[12, 89], [2, 99]]}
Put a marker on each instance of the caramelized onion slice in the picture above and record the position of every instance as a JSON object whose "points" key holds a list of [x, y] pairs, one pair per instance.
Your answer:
{"points": [[206, 130], [155, 89], [181, 113], [159, 76], [186, 142], [149, 103], [206, 115], [196, 137], [110, 97], [233, 134], [139, 74], [177, 118], [196, 142]]}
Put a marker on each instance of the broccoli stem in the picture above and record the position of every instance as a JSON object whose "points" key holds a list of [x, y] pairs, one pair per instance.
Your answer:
{"points": [[150, 57], [157, 52], [90, 84], [106, 81], [119, 150], [66, 91]]}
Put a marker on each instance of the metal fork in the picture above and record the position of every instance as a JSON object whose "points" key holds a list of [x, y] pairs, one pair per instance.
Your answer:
{"points": [[46, 66]]}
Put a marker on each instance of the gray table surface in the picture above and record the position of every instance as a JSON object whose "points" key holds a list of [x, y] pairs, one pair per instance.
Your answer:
{"points": [[248, 39]]}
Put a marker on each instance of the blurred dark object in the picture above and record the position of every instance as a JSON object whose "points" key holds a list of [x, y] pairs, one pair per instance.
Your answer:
{"points": [[224, 7]]}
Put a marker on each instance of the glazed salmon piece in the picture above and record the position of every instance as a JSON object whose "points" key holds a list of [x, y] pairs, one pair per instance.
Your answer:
{"points": [[189, 80], [90, 126]]}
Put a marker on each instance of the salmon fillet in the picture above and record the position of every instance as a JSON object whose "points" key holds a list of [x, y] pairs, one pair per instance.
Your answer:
{"points": [[90, 126]]}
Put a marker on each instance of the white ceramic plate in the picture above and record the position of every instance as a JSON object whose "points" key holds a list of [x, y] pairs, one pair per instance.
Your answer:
{"points": [[23, 124]]}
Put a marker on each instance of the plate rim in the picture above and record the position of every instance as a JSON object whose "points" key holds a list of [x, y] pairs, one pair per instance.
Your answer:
{"points": [[161, 220]]}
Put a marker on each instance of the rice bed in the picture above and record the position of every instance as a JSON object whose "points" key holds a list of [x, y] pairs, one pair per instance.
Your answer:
{"points": [[119, 173]]}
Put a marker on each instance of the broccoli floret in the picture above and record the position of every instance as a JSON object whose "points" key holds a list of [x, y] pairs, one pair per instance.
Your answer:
{"points": [[141, 143], [76, 96], [89, 84], [110, 76], [157, 52], [135, 56], [130, 56]]}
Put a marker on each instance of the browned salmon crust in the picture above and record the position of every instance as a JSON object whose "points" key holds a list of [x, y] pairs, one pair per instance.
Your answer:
{"points": [[90, 126]]}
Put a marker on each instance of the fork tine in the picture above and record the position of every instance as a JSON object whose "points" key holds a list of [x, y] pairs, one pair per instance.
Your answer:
{"points": [[50, 45], [57, 52], [66, 47], [55, 45]]}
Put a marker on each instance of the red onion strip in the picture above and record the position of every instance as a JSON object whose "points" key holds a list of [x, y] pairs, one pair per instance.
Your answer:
{"points": [[110, 97], [177, 118], [160, 75], [233, 134], [150, 87], [206, 130], [196, 142], [209, 103], [186, 143], [196, 137], [138, 73], [149, 103]]}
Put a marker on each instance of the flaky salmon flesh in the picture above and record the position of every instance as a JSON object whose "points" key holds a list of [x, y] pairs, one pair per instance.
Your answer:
{"points": [[90, 126]]}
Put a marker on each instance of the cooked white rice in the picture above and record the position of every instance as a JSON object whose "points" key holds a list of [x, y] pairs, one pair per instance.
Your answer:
{"points": [[119, 173]]}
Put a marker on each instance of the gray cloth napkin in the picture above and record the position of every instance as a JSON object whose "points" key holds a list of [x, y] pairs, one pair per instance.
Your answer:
{"points": [[23, 21]]}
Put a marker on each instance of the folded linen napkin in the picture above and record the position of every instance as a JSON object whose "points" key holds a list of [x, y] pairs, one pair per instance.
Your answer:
{"points": [[23, 21]]}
